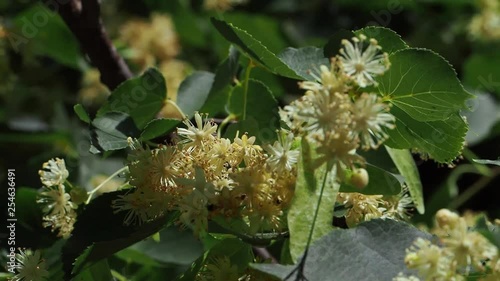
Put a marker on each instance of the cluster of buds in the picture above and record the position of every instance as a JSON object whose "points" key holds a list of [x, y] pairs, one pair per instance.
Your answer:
{"points": [[461, 250]]}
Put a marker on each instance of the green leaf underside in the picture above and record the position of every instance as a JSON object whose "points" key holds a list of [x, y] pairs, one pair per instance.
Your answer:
{"points": [[81, 113], [380, 182], [408, 169], [441, 140], [262, 118], [176, 246], [158, 127], [112, 130], [141, 97], [193, 92], [253, 48], [305, 61], [99, 233], [423, 84], [389, 40], [305, 201], [377, 248]]}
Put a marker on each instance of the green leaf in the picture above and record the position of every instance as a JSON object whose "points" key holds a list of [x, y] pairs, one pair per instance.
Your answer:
{"points": [[130, 255], [481, 72], [46, 34], [261, 109], [380, 182], [158, 127], [112, 130], [485, 161], [308, 191], [374, 250], [193, 92], [389, 40], [408, 169], [304, 61], [255, 23], [488, 230], [141, 97], [81, 113], [253, 48], [239, 253], [99, 233], [224, 76], [176, 246], [422, 84], [100, 271], [441, 140]]}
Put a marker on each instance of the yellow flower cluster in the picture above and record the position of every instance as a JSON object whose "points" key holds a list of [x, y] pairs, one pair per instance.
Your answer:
{"points": [[204, 176], [362, 207], [486, 24], [150, 42], [336, 114], [461, 250], [58, 208]]}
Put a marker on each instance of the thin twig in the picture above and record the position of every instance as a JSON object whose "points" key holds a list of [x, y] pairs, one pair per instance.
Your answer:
{"points": [[264, 254], [84, 21]]}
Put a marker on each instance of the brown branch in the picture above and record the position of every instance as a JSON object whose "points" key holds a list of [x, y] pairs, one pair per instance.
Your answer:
{"points": [[83, 19], [264, 254]]}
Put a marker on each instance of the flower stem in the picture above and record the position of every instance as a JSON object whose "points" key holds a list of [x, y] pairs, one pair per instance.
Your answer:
{"points": [[302, 263], [104, 182], [176, 108]]}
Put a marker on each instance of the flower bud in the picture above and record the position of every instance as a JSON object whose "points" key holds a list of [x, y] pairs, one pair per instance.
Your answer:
{"points": [[359, 178]]}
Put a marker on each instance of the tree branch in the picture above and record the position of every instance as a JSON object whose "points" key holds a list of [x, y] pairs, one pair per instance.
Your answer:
{"points": [[83, 19], [264, 254]]}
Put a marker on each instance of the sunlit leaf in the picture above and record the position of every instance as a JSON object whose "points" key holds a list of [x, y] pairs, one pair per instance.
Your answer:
{"points": [[408, 169], [308, 192], [423, 85], [253, 48]]}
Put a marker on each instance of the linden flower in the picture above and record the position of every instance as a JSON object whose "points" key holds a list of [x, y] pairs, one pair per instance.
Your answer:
{"points": [[30, 267], [140, 206], [330, 79], [203, 131], [218, 270], [56, 201], [399, 206], [467, 247], [361, 207], [429, 260], [361, 64], [281, 156], [54, 172], [163, 170], [371, 117]]}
